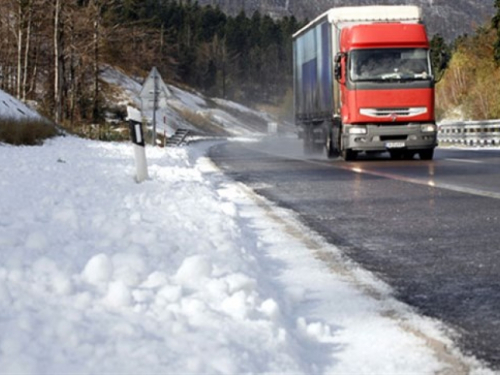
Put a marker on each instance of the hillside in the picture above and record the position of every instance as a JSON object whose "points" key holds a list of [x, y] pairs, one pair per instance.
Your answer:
{"points": [[188, 109], [449, 18]]}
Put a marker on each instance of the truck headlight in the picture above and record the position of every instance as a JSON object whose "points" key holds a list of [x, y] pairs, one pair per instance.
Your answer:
{"points": [[357, 130], [428, 128]]}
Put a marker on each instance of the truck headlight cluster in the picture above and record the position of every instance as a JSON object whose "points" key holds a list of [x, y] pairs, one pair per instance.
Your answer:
{"points": [[357, 130], [428, 128]]}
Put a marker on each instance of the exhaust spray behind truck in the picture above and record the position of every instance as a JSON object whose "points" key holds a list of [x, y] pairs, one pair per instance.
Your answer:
{"points": [[363, 83]]}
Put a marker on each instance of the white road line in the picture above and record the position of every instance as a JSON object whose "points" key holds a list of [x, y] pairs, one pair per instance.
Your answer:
{"points": [[429, 182], [466, 161]]}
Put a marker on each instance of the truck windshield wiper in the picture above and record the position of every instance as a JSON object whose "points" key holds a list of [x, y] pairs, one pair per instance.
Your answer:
{"points": [[396, 77], [404, 76], [391, 76]]}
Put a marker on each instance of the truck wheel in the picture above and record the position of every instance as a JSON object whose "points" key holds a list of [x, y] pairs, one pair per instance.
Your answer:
{"points": [[426, 154], [331, 151], [349, 155]]}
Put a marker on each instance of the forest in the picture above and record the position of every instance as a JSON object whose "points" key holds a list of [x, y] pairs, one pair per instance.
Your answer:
{"points": [[53, 52]]}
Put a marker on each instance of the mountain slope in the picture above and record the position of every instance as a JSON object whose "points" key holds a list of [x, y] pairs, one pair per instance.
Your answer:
{"points": [[449, 18]]}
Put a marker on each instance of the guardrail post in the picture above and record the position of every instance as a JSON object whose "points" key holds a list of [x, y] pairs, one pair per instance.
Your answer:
{"points": [[137, 137]]}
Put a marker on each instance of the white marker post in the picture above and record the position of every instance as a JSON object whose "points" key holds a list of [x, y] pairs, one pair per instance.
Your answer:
{"points": [[137, 136]]}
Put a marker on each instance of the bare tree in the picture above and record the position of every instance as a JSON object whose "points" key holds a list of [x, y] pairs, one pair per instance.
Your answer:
{"points": [[21, 15], [58, 59], [97, 10], [9, 33]]}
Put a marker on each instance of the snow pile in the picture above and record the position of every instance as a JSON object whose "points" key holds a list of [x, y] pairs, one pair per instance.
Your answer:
{"points": [[11, 108], [181, 274]]}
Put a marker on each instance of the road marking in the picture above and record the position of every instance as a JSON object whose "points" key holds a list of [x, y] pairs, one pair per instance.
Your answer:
{"points": [[466, 161], [430, 182]]}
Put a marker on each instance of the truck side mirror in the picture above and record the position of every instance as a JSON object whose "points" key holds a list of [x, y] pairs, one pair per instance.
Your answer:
{"points": [[338, 71], [338, 66]]}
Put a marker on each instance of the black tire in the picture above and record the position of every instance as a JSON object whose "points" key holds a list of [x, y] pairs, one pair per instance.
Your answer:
{"points": [[349, 155], [426, 154], [331, 151], [345, 153]]}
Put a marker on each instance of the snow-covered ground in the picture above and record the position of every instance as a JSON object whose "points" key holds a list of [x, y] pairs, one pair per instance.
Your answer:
{"points": [[185, 273]]}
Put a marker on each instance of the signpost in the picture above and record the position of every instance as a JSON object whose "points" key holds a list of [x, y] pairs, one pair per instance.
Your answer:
{"points": [[154, 96], [137, 135]]}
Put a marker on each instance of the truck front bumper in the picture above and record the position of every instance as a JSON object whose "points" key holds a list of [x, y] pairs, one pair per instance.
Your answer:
{"points": [[389, 137]]}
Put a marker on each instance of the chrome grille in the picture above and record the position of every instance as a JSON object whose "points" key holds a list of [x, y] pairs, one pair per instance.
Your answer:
{"points": [[393, 112]]}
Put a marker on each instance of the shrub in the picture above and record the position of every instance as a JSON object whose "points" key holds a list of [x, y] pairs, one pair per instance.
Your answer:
{"points": [[27, 132]]}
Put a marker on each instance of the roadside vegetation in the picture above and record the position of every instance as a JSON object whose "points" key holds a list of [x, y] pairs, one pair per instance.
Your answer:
{"points": [[28, 132], [469, 87], [202, 122], [53, 51]]}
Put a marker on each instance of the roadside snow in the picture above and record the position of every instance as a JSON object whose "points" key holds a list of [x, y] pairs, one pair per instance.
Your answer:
{"points": [[182, 274], [11, 108]]}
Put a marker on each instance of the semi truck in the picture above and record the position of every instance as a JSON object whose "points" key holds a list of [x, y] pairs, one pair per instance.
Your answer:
{"points": [[363, 82]]}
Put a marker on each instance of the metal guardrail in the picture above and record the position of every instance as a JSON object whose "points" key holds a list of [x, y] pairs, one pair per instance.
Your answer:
{"points": [[470, 133]]}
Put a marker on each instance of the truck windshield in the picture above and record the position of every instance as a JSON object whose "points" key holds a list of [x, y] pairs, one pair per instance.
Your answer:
{"points": [[389, 64]]}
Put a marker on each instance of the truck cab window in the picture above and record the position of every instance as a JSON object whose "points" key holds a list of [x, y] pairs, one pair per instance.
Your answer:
{"points": [[389, 64]]}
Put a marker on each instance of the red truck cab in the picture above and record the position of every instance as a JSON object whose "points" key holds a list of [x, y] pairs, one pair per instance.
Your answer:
{"points": [[386, 90]]}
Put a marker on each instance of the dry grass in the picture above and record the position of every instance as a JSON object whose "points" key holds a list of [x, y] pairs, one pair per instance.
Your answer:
{"points": [[29, 132], [250, 119], [202, 123], [103, 132]]}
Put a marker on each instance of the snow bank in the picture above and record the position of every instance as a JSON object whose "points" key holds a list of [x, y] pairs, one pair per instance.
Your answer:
{"points": [[14, 109], [180, 274]]}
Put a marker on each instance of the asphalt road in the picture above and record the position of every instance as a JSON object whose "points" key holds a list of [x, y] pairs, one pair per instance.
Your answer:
{"points": [[428, 228]]}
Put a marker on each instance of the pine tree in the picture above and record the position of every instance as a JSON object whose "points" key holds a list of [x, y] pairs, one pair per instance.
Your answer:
{"points": [[496, 25], [440, 55]]}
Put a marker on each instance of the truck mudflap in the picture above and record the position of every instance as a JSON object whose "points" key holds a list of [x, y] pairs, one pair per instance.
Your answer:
{"points": [[390, 138]]}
